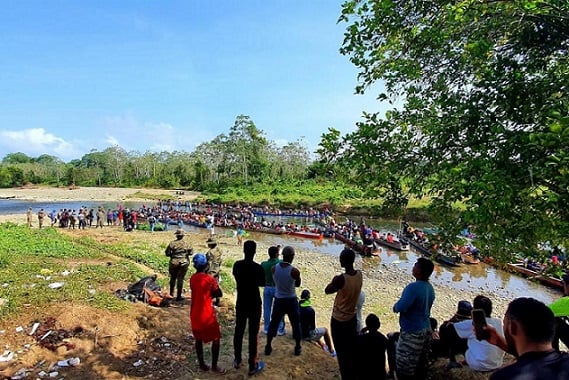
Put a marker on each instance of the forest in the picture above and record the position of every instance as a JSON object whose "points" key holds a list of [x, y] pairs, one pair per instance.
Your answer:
{"points": [[478, 129]]}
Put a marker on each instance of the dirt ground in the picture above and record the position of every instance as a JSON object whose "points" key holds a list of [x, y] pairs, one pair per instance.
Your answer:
{"points": [[145, 342]]}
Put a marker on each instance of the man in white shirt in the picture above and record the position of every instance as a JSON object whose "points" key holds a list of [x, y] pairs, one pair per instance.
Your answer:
{"points": [[481, 355]]}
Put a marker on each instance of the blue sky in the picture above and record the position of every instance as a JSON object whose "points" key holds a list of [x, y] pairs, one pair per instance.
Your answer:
{"points": [[169, 75]]}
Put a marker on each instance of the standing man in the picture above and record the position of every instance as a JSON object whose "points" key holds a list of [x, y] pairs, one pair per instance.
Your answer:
{"points": [[269, 290], [287, 279], [529, 327], [214, 259], [344, 321], [100, 217], [29, 217], [41, 216], [249, 276], [179, 252], [414, 308]]}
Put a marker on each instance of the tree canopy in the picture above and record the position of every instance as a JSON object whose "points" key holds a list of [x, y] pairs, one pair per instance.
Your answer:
{"points": [[479, 112]]}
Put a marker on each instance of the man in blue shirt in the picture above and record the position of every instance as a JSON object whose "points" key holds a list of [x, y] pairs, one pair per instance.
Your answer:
{"points": [[414, 308]]}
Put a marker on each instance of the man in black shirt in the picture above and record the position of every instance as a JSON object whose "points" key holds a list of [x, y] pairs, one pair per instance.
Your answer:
{"points": [[529, 326]]}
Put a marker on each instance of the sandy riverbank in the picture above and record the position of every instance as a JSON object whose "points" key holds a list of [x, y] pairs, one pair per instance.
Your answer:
{"points": [[93, 194]]}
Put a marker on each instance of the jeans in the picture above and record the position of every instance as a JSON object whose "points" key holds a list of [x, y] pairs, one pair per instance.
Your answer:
{"points": [[268, 299]]}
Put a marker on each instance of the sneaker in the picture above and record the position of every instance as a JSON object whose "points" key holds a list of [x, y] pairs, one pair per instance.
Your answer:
{"points": [[236, 364], [297, 350], [281, 333], [258, 368], [268, 350], [333, 354]]}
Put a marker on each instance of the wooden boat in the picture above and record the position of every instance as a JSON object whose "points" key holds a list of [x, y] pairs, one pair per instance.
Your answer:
{"points": [[359, 248], [307, 234], [447, 259], [398, 245], [420, 248], [544, 279]]}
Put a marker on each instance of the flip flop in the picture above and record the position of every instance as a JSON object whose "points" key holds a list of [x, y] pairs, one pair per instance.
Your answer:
{"points": [[219, 370]]}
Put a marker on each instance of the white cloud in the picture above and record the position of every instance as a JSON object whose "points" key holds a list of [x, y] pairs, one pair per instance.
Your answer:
{"points": [[131, 134], [36, 141]]}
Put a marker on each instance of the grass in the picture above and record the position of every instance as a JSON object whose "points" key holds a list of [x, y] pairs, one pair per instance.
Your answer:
{"points": [[32, 259]]}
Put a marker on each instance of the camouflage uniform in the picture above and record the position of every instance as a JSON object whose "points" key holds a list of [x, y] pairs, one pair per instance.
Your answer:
{"points": [[179, 252], [214, 260], [213, 256]]}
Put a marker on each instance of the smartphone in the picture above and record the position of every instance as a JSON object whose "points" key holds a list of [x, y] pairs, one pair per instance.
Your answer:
{"points": [[479, 322]]}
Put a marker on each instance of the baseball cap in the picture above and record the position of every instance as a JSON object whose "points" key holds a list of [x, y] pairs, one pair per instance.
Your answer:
{"points": [[464, 308]]}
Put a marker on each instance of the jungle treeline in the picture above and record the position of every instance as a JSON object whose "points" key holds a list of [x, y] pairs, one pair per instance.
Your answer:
{"points": [[477, 127]]}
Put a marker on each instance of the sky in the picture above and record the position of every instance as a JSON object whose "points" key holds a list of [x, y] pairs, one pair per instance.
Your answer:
{"points": [[78, 76]]}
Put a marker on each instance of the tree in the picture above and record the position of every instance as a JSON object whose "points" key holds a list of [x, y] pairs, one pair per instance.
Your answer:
{"points": [[16, 158], [483, 120]]}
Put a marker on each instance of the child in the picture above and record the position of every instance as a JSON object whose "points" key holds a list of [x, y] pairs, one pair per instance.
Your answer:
{"points": [[371, 346], [308, 328]]}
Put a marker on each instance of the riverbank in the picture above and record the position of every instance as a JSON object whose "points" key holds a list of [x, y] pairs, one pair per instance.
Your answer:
{"points": [[383, 284]]}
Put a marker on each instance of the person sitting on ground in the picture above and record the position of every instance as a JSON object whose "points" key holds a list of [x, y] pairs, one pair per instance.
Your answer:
{"points": [[370, 348], [529, 326], [451, 343], [560, 310], [205, 326], [308, 328], [481, 355]]}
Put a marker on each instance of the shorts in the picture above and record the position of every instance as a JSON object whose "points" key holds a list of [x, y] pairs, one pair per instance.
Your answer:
{"points": [[316, 334]]}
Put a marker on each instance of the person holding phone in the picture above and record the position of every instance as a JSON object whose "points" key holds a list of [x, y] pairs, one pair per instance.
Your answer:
{"points": [[481, 355], [529, 326]]}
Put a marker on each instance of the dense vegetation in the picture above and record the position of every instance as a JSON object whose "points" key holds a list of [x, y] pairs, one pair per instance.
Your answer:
{"points": [[479, 126], [480, 112]]}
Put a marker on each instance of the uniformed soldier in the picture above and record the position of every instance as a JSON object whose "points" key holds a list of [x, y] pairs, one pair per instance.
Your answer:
{"points": [[179, 252], [41, 216], [214, 258]]}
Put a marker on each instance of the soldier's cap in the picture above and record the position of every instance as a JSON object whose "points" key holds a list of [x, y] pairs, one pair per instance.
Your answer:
{"points": [[199, 260], [211, 241], [179, 232]]}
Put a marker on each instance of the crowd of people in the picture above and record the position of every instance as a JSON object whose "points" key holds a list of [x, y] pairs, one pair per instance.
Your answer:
{"points": [[530, 330]]}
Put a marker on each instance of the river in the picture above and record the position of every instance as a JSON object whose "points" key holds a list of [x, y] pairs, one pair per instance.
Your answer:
{"points": [[466, 277]]}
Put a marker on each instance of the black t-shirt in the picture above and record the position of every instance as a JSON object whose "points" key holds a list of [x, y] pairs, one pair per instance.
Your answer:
{"points": [[249, 276], [549, 365]]}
